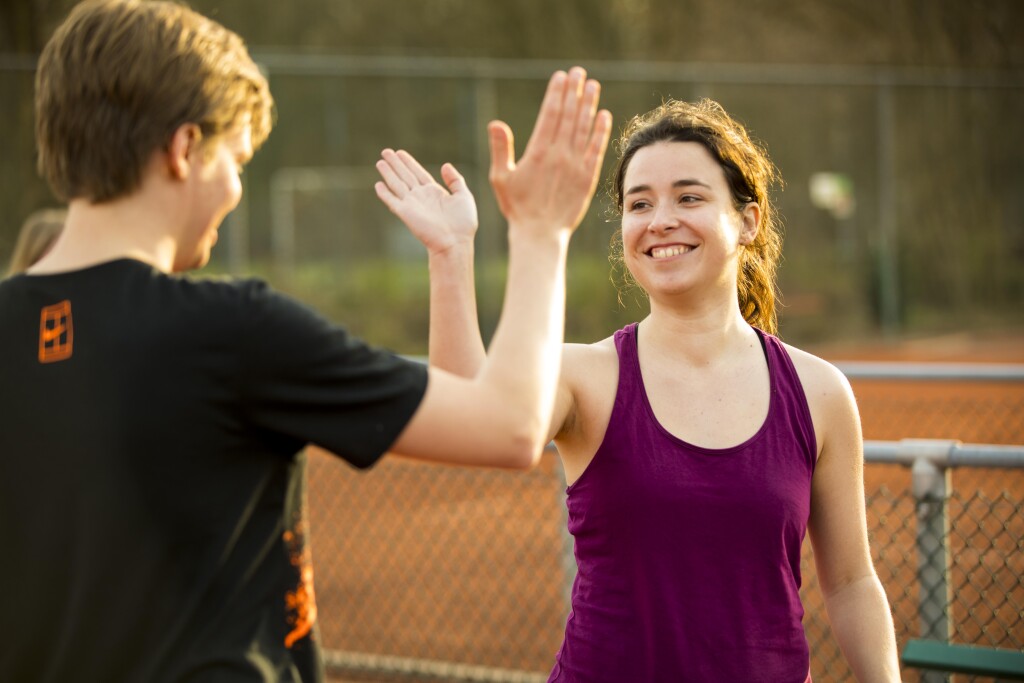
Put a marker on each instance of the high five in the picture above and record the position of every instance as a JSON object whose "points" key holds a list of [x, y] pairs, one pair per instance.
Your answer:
{"points": [[699, 448]]}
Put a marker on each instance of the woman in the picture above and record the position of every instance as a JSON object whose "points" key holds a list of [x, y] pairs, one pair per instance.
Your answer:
{"points": [[698, 448]]}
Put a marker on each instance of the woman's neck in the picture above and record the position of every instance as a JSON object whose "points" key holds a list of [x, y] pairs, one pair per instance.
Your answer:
{"points": [[702, 332]]}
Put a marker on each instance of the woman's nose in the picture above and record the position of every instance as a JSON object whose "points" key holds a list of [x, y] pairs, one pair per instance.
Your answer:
{"points": [[663, 219]]}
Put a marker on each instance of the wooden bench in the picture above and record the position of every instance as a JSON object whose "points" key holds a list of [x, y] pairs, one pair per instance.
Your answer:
{"points": [[967, 659]]}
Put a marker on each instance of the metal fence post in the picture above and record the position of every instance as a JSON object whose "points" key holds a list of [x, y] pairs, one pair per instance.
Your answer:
{"points": [[930, 483]]}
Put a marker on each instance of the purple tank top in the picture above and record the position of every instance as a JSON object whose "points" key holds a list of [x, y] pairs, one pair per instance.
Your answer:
{"points": [[689, 557]]}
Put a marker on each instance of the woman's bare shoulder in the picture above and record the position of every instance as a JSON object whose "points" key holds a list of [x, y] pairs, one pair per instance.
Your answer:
{"points": [[579, 359], [823, 382], [590, 375]]}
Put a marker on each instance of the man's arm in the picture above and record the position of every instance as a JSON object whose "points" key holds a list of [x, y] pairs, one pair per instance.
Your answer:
{"points": [[500, 416]]}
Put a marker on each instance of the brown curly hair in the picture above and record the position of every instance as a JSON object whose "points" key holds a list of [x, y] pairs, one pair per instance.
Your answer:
{"points": [[749, 173]]}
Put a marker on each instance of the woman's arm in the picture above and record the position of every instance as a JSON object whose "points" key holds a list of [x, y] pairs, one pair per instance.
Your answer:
{"points": [[854, 599], [445, 221]]}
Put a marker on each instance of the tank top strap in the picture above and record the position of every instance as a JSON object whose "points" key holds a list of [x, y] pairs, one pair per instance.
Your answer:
{"points": [[629, 362], [630, 396], [789, 393], [625, 343]]}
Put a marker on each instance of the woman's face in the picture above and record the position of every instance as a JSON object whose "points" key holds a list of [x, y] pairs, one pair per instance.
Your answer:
{"points": [[680, 228]]}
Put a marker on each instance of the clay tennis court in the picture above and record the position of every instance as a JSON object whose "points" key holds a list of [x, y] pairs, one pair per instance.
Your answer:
{"points": [[459, 565]]}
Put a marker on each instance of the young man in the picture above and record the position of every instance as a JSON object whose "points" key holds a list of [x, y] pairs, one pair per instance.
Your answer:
{"points": [[150, 487]]}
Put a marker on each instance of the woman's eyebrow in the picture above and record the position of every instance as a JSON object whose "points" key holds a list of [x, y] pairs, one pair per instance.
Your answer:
{"points": [[685, 182]]}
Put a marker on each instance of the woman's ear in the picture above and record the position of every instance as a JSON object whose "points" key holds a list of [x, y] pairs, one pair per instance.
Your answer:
{"points": [[183, 145], [750, 221]]}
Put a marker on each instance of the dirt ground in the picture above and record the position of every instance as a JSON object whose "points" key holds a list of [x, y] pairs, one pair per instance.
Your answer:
{"points": [[474, 566]]}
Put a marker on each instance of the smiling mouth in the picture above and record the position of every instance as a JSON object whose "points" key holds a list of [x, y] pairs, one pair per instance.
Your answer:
{"points": [[666, 252]]}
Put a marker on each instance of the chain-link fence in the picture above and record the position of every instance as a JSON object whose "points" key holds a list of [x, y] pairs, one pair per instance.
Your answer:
{"points": [[431, 564], [952, 567], [431, 573], [973, 403], [879, 135]]}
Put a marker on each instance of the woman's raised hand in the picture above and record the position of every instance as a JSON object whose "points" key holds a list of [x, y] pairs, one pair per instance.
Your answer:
{"points": [[439, 218], [551, 186]]}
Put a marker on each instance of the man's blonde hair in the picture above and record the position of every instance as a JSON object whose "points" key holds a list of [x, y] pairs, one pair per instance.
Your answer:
{"points": [[119, 77]]}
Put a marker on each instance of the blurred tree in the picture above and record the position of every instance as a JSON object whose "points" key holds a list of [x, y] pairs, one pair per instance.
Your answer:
{"points": [[955, 153], [25, 25]]}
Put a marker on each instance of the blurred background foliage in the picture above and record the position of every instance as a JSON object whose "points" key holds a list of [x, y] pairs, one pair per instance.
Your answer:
{"points": [[896, 125]]}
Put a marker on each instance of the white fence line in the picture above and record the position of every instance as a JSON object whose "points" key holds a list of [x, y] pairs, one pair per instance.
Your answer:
{"points": [[940, 372], [943, 453]]}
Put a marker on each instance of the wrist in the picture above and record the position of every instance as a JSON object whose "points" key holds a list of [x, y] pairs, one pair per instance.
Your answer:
{"points": [[539, 235], [453, 248], [456, 256]]}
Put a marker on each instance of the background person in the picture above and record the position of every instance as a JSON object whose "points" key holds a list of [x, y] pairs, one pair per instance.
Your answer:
{"points": [[36, 237], [151, 476], [697, 446]]}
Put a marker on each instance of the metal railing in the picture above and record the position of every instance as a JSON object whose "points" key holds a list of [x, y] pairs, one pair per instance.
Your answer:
{"points": [[931, 463], [935, 372]]}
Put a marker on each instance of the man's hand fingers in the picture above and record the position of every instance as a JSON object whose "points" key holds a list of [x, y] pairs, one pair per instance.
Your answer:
{"points": [[502, 160], [566, 120], [598, 144], [584, 123], [499, 135], [550, 109]]}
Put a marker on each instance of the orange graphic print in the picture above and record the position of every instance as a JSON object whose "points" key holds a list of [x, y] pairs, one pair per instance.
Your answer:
{"points": [[56, 333], [300, 603]]}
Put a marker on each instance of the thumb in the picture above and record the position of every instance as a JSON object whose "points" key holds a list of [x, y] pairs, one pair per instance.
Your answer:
{"points": [[453, 179], [502, 149]]}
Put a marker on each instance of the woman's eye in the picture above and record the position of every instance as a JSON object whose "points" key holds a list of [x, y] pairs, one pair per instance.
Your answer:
{"points": [[637, 205], [689, 199]]}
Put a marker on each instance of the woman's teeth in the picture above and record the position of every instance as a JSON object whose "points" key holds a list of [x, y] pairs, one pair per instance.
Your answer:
{"points": [[665, 252]]}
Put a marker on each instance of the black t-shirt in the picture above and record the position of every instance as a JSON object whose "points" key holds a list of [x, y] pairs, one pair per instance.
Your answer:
{"points": [[151, 481]]}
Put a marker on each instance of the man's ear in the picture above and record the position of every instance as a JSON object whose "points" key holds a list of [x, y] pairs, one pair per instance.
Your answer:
{"points": [[184, 144], [750, 221]]}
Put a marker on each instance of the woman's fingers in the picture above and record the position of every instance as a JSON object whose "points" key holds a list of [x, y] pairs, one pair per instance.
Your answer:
{"points": [[399, 168], [453, 179], [419, 174], [394, 183], [385, 194]]}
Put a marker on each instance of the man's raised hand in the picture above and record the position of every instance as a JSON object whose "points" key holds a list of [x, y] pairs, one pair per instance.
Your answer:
{"points": [[551, 186]]}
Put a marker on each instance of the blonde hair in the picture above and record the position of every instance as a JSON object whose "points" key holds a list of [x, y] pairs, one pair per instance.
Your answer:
{"points": [[38, 233], [750, 175], [116, 80]]}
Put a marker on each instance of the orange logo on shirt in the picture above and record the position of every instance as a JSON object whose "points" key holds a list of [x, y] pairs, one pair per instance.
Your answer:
{"points": [[56, 334], [300, 603]]}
